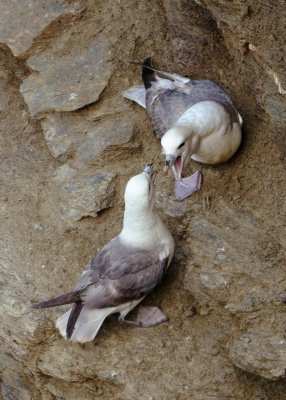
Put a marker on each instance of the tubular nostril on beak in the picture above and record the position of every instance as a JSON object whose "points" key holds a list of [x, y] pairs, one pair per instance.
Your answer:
{"points": [[149, 169], [170, 159]]}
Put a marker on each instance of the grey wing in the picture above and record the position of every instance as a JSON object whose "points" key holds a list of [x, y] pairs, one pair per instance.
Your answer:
{"points": [[126, 279], [136, 276], [165, 106], [98, 265], [208, 90]]}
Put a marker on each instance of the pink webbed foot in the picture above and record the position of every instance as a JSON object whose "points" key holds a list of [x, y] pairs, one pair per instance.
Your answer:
{"points": [[187, 186], [146, 317], [150, 316]]}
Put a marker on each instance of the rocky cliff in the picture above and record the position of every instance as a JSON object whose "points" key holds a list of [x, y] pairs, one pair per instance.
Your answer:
{"points": [[70, 142]]}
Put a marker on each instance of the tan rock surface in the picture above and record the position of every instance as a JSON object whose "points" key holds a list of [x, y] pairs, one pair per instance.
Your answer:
{"points": [[227, 280]]}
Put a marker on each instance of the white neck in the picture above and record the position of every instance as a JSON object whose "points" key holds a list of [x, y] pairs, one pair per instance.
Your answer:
{"points": [[139, 225], [192, 139], [182, 130], [144, 229], [203, 118]]}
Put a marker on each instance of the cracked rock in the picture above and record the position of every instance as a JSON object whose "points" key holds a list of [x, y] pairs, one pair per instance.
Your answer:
{"points": [[89, 142], [21, 22], [63, 133], [110, 139], [67, 81], [82, 195], [260, 354]]}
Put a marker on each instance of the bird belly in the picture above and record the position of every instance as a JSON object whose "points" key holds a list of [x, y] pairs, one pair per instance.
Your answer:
{"points": [[219, 146]]}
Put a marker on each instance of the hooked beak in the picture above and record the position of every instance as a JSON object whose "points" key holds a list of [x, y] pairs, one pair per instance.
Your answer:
{"points": [[149, 170], [169, 162], [170, 159], [176, 163]]}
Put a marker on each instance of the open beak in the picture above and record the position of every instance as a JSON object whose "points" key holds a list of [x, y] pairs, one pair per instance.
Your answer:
{"points": [[170, 159], [150, 171], [176, 163]]}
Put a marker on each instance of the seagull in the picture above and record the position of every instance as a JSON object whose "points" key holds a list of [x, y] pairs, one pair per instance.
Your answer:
{"points": [[193, 118], [123, 272]]}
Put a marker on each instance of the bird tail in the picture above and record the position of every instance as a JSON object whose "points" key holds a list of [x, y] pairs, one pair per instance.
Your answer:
{"points": [[148, 73], [86, 325], [151, 74], [154, 78], [66, 298], [136, 93]]}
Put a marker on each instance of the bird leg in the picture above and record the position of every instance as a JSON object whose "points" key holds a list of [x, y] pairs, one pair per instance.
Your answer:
{"points": [[146, 318], [122, 320], [187, 186]]}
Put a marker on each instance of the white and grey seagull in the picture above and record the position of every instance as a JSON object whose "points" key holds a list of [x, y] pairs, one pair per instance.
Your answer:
{"points": [[193, 118], [123, 272]]}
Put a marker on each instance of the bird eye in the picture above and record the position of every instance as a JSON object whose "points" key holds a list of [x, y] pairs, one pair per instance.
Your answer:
{"points": [[181, 145]]}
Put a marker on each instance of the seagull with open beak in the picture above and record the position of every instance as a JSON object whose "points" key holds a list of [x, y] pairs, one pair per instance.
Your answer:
{"points": [[123, 272], [193, 118], [175, 146]]}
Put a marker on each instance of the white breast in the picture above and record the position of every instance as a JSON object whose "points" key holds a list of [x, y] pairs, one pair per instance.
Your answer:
{"points": [[219, 137]]}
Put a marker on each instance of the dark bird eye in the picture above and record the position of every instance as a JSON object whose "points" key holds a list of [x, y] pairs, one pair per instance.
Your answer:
{"points": [[181, 145]]}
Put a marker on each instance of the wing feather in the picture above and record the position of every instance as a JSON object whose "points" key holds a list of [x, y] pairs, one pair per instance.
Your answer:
{"points": [[165, 106], [119, 274]]}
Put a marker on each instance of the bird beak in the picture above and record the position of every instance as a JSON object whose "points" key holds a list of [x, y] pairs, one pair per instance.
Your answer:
{"points": [[169, 162], [149, 169]]}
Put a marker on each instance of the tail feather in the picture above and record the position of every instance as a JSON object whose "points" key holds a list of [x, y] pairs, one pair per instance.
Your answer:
{"points": [[87, 325], [62, 322], [148, 73], [136, 93], [164, 79], [66, 298]]}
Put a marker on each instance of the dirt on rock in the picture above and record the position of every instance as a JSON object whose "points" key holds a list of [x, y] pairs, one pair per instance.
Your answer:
{"points": [[226, 288]]}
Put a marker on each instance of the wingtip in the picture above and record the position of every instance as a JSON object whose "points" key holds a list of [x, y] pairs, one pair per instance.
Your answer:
{"points": [[75, 312], [69, 333], [147, 62], [36, 306], [148, 74]]}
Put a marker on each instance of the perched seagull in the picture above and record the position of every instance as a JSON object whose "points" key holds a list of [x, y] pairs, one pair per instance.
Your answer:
{"points": [[192, 118], [124, 271]]}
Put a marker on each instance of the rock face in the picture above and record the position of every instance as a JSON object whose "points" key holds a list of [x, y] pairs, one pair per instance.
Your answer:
{"points": [[69, 142], [21, 23], [260, 354], [68, 82], [83, 195], [88, 142]]}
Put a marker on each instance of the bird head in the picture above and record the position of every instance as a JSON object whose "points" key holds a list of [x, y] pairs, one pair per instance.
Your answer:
{"points": [[175, 146], [139, 191]]}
